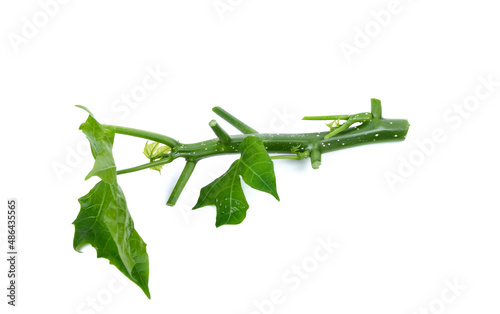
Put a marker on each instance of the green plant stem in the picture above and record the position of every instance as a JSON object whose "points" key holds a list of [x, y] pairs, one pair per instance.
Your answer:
{"points": [[238, 124], [373, 129], [293, 157], [145, 166], [334, 117], [315, 157], [219, 131], [143, 134], [376, 108], [337, 130], [181, 183]]}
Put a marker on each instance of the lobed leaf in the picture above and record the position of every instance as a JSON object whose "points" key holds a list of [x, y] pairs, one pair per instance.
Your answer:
{"points": [[225, 192], [105, 223], [154, 150], [149, 149], [227, 195]]}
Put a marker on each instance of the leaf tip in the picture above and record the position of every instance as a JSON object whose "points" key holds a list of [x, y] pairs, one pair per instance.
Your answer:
{"points": [[146, 292], [84, 108], [219, 223], [77, 247]]}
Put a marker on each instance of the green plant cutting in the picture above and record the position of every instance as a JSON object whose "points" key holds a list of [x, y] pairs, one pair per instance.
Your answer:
{"points": [[104, 220]]}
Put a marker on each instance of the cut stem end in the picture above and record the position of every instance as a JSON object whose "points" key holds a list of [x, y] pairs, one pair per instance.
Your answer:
{"points": [[181, 183], [376, 108], [220, 132]]}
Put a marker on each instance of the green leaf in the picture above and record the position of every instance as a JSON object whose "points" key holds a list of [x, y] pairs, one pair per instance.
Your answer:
{"points": [[256, 167], [105, 223], [155, 151], [150, 148], [225, 192], [160, 151], [227, 195], [101, 145]]}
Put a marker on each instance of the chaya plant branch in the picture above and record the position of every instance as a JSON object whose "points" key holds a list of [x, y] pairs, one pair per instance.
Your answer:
{"points": [[105, 222]]}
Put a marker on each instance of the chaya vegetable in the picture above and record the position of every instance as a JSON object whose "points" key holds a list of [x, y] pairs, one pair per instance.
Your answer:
{"points": [[105, 222]]}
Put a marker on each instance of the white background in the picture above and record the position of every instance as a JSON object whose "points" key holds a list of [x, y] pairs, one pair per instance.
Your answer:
{"points": [[269, 63]]}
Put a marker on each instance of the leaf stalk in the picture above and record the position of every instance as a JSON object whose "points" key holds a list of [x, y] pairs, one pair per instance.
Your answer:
{"points": [[220, 132], [181, 183], [237, 123]]}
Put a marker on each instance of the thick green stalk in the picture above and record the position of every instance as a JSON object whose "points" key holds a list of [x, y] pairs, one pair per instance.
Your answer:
{"points": [[219, 131], [242, 127], [181, 183], [315, 156], [376, 108], [373, 129]]}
